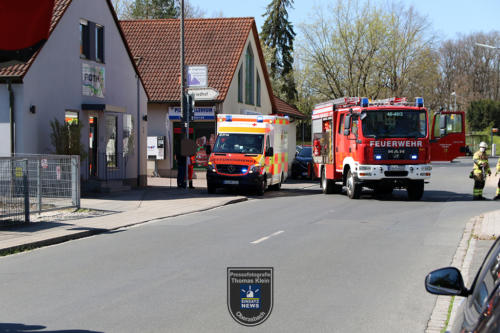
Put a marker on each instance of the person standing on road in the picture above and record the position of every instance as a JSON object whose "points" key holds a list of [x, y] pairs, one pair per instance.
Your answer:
{"points": [[481, 168], [497, 196], [181, 167]]}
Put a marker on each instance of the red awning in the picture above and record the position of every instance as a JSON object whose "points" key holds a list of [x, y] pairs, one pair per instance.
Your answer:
{"points": [[24, 26]]}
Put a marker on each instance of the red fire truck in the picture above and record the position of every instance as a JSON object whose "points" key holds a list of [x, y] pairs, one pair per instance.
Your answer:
{"points": [[382, 145], [448, 135]]}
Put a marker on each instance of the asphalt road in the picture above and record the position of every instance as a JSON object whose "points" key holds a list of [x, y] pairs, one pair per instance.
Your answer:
{"points": [[340, 265]]}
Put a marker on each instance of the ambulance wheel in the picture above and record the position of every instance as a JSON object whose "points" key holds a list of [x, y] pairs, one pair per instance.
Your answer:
{"points": [[353, 188], [211, 188], [415, 190], [262, 187], [327, 185]]}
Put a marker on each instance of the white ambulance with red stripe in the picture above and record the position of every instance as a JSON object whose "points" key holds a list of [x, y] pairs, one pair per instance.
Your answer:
{"points": [[381, 145], [251, 151]]}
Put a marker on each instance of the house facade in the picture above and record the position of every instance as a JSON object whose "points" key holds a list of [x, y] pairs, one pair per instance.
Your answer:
{"points": [[225, 71], [84, 74]]}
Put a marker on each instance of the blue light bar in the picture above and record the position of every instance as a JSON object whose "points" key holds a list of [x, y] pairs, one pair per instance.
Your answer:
{"points": [[414, 157], [419, 101], [244, 170], [260, 119], [378, 157], [229, 118], [364, 102]]}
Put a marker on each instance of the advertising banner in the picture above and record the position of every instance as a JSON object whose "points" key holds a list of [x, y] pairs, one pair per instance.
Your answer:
{"points": [[93, 80]]}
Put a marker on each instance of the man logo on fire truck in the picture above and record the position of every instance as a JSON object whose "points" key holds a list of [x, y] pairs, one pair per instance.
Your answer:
{"points": [[382, 145]]}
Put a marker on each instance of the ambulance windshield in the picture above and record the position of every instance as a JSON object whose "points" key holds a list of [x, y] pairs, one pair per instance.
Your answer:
{"points": [[239, 143], [394, 124]]}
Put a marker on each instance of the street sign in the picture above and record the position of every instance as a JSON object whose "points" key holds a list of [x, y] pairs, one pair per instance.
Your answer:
{"points": [[204, 94]]}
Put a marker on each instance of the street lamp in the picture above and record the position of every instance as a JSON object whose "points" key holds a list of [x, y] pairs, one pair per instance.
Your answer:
{"points": [[455, 105], [498, 62]]}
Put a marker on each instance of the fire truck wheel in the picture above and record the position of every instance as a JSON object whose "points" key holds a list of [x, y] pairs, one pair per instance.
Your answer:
{"points": [[211, 188], [415, 189], [353, 188]]}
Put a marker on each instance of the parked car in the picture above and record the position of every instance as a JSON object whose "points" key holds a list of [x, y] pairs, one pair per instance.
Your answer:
{"points": [[480, 311], [301, 165]]}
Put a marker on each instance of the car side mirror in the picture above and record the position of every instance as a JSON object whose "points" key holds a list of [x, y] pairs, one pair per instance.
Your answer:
{"points": [[270, 151], [446, 281], [208, 149]]}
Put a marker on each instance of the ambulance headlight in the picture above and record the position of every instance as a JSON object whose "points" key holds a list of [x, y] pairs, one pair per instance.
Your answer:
{"points": [[256, 169]]}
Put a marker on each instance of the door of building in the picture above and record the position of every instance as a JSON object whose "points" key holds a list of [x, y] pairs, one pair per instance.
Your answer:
{"points": [[93, 141]]}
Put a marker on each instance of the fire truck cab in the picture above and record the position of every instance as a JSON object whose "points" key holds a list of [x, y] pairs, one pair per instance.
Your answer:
{"points": [[448, 136], [382, 145]]}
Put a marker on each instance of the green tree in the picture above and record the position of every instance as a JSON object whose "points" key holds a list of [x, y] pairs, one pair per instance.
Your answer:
{"points": [[278, 35], [483, 114], [66, 138], [152, 9]]}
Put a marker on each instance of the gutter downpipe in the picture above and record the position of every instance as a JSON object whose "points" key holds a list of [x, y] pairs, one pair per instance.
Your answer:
{"points": [[138, 134], [12, 119]]}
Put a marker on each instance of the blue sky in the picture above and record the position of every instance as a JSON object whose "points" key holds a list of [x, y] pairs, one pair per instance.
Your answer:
{"points": [[447, 17]]}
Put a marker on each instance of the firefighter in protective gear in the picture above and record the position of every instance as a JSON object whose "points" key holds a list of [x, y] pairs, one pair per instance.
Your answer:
{"points": [[497, 196], [480, 170]]}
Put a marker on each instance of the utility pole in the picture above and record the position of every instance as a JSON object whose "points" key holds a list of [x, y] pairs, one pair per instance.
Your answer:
{"points": [[183, 81]]}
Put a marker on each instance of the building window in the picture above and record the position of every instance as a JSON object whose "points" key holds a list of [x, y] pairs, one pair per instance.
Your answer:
{"points": [[128, 139], [71, 117], [249, 76], [99, 43], [84, 39], [111, 141], [258, 89], [240, 85]]}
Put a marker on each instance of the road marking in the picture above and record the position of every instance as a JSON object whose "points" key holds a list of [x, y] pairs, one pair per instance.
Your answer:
{"points": [[267, 237]]}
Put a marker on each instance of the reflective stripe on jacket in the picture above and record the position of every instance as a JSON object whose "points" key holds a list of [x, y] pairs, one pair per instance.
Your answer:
{"points": [[481, 159]]}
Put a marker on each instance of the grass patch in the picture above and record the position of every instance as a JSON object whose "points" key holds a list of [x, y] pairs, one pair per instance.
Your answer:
{"points": [[16, 250], [450, 307]]}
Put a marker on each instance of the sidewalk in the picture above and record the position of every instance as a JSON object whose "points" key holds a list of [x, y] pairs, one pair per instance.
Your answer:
{"points": [[117, 210]]}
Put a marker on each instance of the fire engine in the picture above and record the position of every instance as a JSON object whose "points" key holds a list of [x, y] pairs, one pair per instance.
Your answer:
{"points": [[382, 144], [448, 136]]}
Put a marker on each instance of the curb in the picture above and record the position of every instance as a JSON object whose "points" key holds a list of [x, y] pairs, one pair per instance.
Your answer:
{"points": [[440, 320], [93, 232]]}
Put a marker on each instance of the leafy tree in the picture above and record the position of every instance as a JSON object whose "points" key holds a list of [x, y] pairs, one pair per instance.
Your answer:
{"points": [[155, 9], [278, 35], [483, 114], [66, 138]]}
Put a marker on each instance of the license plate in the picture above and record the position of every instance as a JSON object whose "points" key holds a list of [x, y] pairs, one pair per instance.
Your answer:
{"points": [[396, 167], [230, 182]]}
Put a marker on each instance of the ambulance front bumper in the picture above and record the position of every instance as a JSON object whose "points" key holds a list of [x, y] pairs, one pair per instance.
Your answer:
{"points": [[398, 171]]}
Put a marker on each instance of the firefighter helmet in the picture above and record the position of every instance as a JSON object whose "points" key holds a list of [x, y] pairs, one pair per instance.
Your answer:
{"points": [[483, 145]]}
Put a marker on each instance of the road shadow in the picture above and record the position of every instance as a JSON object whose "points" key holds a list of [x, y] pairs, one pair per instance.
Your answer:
{"points": [[22, 328]]}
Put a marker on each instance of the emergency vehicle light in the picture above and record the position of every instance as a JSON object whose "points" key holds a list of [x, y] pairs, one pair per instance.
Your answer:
{"points": [[419, 102], [244, 170], [414, 157], [378, 157], [364, 102], [229, 118], [260, 119]]}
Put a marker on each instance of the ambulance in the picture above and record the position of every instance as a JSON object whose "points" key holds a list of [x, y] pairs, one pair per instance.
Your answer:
{"points": [[251, 151]]}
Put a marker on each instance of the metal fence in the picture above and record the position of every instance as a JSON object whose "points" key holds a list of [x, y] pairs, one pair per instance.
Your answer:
{"points": [[36, 183]]}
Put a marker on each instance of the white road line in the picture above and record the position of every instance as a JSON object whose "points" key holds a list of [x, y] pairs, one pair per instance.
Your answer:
{"points": [[267, 237]]}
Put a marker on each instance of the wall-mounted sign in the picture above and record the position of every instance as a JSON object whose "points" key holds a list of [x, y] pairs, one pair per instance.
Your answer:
{"points": [[197, 76], [204, 94], [200, 113], [93, 80]]}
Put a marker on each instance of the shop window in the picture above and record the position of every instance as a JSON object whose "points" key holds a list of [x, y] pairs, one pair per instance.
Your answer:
{"points": [[111, 141], [258, 89], [240, 85], [99, 43], [84, 39], [71, 117], [128, 139], [249, 77]]}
